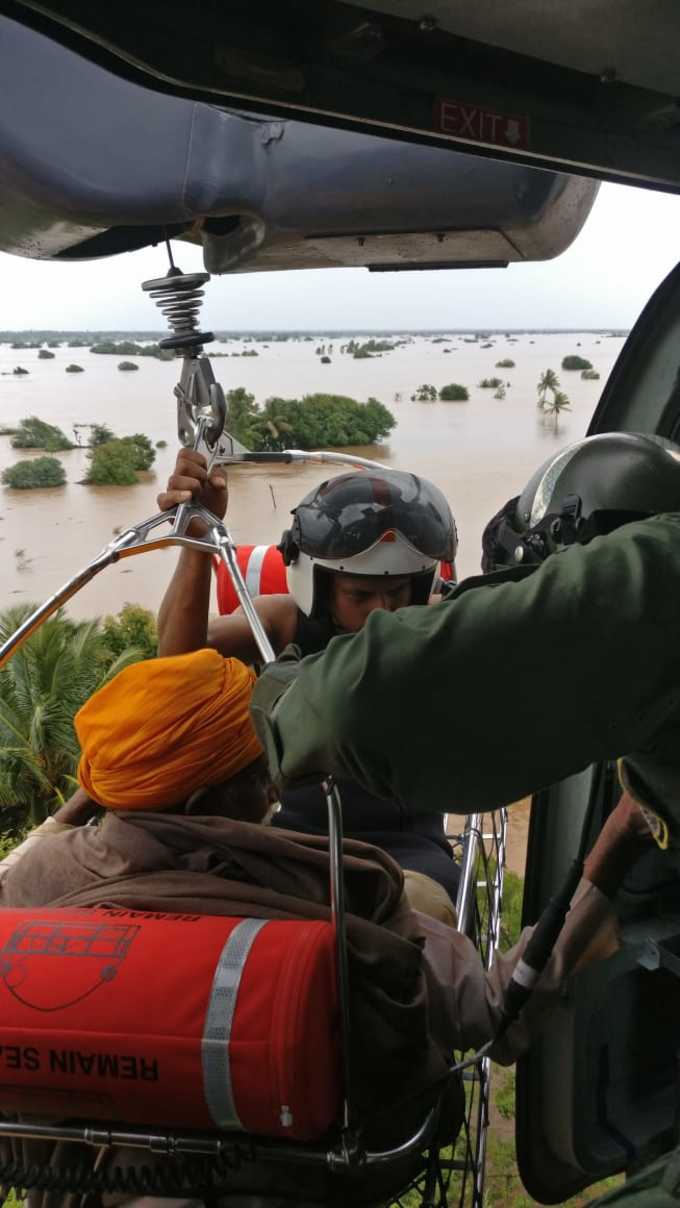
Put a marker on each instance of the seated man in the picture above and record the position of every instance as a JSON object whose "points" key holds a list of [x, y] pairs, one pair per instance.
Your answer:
{"points": [[359, 542], [170, 753]]}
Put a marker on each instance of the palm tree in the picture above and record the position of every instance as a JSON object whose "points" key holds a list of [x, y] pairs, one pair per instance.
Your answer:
{"points": [[41, 688], [559, 402], [547, 381], [273, 424]]}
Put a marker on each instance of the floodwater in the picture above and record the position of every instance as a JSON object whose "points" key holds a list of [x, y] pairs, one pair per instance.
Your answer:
{"points": [[480, 452]]}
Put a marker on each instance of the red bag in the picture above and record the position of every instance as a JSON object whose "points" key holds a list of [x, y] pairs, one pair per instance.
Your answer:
{"points": [[184, 1020], [262, 568]]}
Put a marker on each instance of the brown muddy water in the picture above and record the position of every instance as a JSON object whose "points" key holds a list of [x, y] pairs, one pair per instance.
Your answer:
{"points": [[480, 452]]}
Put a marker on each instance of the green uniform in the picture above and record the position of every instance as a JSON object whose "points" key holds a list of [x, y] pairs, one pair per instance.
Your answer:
{"points": [[506, 687]]}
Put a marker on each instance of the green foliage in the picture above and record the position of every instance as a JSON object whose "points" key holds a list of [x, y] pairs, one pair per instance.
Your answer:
{"points": [[575, 362], [128, 348], [425, 394], [37, 472], [74, 368], [19, 371], [500, 393], [44, 355], [548, 381], [590, 375], [316, 421], [506, 363], [34, 433], [142, 449], [242, 412], [113, 464], [41, 688], [127, 366], [100, 434], [368, 349], [161, 444], [325, 360], [490, 383], [454, 393], [133, 628]]}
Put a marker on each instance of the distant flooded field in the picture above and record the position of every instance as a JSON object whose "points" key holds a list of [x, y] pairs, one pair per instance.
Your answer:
{"points": [[479, 452]]}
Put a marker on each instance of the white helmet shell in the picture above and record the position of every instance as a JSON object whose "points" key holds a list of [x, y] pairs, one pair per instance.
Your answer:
{"points": [[392, 555]]}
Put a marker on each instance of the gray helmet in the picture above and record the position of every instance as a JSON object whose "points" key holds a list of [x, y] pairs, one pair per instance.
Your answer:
{"points": [[586, 490]]}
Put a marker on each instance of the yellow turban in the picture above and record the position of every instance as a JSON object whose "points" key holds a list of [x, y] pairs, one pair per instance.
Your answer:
{"points": [[163, 728]]}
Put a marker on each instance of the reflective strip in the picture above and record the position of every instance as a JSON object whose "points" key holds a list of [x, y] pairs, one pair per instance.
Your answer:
{"points": [[524, 975], [219, 1017], [254, 569]]}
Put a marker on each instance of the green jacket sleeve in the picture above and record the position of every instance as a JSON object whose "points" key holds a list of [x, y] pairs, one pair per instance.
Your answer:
{"points": [[502, 689]]}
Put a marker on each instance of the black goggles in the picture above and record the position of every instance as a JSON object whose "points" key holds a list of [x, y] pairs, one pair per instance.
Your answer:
{"points": [[348, 515]]}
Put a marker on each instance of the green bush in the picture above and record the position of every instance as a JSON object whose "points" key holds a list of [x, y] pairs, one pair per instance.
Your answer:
{"points": [[100, 434], [315, 422], [113, 464], [490, 383], [127, 366], [34, 433], [37, 472], [325, 360], [74, 369], [144, 452], [590, 375], [19, 371], [425, 394], [506, 363], [41, 688], [44, 355], [128, 348], [161, 444], [453, 393], [134, 626], [575, 362]]}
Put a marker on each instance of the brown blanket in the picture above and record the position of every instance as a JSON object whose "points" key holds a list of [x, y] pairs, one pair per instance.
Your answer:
{"points": [[159, 861]]}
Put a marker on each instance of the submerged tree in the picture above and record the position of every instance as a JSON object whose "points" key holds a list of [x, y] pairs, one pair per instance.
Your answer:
{"points": [[37, 472], [548, 381], [559, 402]]}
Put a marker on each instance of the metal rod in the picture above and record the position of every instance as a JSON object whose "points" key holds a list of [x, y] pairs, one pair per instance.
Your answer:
{"points": [[46, 610], [338, 916], [227, 552], [288, 456], [467, 873]]}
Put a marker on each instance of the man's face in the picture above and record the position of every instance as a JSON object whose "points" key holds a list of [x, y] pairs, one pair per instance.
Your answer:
{"points": [[354, 597]]}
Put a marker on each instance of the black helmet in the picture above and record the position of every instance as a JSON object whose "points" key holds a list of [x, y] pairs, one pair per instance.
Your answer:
{"points": [[588, 489], [368, 523]]}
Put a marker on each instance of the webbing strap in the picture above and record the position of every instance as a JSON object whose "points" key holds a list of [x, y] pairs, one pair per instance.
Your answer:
{"points": [[219, 1018], [254, 569]]}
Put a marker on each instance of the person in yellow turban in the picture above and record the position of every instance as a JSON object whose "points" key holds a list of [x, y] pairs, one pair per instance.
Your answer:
{"points": [[169, 731]]}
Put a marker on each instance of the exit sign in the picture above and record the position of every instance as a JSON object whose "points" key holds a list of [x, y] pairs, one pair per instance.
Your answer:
{"points": [[479, 125]]}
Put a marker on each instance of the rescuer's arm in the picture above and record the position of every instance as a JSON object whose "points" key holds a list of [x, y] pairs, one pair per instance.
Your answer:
{"points": [[466, 1003], [183, 615], [500, 690]]}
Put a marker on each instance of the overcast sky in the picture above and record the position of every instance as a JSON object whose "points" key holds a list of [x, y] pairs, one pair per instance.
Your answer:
{"points": [[629, 243]]}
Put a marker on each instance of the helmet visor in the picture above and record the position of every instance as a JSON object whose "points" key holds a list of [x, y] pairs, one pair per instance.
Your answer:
{"points": [[348, 515]]}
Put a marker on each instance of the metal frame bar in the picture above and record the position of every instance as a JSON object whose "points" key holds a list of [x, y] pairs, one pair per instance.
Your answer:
{"points": [[379, 73]]}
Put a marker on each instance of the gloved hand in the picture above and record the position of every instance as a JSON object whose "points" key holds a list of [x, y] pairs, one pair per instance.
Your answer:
{"points": [[274, 681], [624, 837]]}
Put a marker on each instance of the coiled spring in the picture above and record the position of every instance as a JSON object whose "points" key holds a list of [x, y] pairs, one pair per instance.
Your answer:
{"points": [[179, 296]]}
